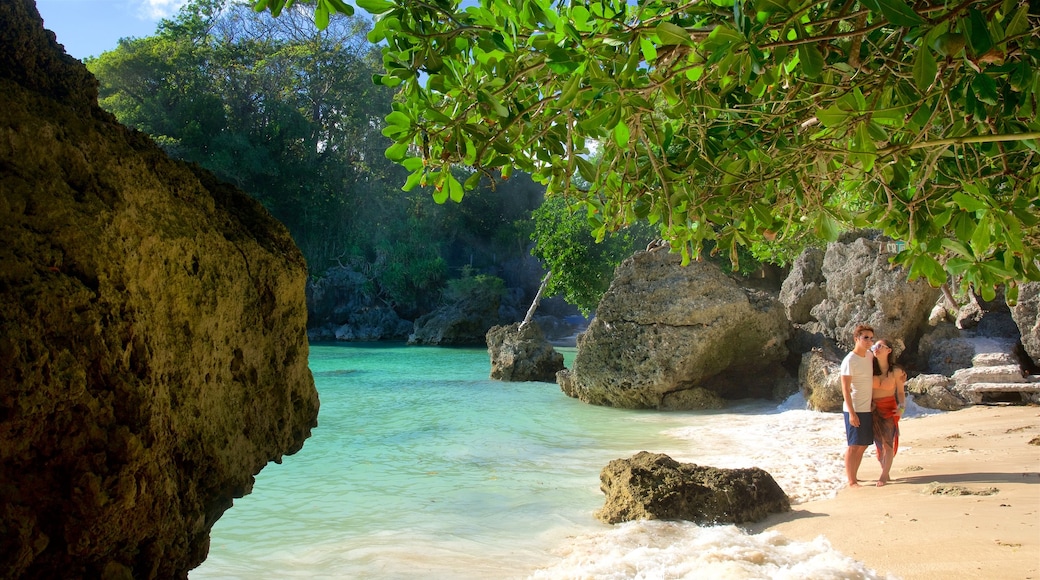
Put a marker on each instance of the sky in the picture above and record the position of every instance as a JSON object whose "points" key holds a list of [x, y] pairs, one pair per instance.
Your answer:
{"points": [[91, 27]]}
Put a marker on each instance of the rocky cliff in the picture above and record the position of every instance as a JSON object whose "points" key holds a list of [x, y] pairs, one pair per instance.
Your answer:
{"points": [[153, 355]]}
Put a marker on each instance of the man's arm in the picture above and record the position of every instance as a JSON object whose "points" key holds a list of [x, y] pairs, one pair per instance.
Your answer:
{"points": [[846, 393]]}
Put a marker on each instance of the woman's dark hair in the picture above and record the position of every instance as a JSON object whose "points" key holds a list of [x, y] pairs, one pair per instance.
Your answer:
{"points": [[891, 357]]}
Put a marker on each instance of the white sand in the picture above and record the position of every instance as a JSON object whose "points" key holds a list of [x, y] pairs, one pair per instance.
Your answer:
{"points": [[901, 529]]}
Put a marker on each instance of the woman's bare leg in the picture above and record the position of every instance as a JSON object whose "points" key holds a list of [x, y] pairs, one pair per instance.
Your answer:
{"points": [[887, 456]]}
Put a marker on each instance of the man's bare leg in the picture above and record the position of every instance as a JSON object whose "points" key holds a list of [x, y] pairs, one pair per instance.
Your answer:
{"points": [[853, 457]]}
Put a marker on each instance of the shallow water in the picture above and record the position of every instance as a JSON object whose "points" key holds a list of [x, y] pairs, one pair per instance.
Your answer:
{"points": [[421, 466]]}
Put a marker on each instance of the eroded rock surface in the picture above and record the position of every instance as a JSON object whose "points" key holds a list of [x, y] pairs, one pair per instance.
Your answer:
{"points": [[153, 354], [861, 288], [653, 486], [663, 328], [1026, 314], [522, 354]]}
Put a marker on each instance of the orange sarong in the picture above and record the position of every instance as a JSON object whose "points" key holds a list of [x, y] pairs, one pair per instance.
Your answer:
{"points": [[886, 424]]}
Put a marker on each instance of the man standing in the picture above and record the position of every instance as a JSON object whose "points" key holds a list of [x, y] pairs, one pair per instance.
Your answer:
{"points": [[857, 380]]}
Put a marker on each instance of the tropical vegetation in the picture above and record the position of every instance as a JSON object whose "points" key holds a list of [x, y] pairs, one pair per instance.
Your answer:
{"points": [[736, 122]]}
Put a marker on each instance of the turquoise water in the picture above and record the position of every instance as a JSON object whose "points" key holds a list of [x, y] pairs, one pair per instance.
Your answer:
{"points": [[421, 466]]}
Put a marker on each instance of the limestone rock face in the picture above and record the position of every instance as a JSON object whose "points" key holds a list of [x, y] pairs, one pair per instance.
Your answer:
{"points": [[459, 324], [653, 486], [1027, 316], [820, 378], [936, 392], [153, 351], [522, 354], [804, 287], [662, 328], [341, 307], [863, 288]]}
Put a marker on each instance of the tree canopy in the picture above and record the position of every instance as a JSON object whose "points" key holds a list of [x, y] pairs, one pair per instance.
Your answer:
{"points": [[737, 121], [289, 114]]}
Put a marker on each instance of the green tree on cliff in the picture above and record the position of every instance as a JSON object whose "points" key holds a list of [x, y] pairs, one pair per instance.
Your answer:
{"points": [[738, 120]]}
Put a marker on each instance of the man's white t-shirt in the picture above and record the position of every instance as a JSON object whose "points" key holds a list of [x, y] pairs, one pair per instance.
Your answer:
{"points": [[861, 369]]}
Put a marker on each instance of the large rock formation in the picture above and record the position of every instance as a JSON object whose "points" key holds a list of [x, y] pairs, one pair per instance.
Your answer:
{"points": [[861, 288], [153, 355], [804, 287], [677, 337], [521, 353], [653, 486], [1027, 316]]}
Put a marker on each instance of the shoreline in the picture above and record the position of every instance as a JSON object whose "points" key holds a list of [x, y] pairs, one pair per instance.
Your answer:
{"points": [[964, 500]]}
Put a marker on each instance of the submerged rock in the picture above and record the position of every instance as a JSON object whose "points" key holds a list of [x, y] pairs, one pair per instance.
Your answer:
{"points": [[153, 353], [653, 486]]}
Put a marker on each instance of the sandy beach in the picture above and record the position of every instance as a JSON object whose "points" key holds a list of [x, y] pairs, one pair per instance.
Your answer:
{"points": [[964, 501]]}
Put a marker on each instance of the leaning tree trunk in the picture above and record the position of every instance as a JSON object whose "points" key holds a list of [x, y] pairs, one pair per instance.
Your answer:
{"points": [[537, 299]]}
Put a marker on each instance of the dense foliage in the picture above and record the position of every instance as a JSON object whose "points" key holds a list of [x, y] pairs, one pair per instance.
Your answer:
{"points": [[740, 120], [582, 269], [290, 114]]}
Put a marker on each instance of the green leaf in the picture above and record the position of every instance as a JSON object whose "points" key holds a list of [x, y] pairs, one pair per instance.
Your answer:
{"points": [[341, 7], [397, 151], [412, 163], [978, 33], [968, 203], [826, 227], [648, 49], [811, 59], [895, 11], [958, 247], [1018, 23], [440, 192], [321, 15], [988, 292], [864, 146], [585, 169], [374, 7], [949, 44], [672, 34], [455, 190], [621, 134], [1011, 294], [985, 89], [980, 240], [472, 181], [929, 268], [399, 119], [832, 116], [413, 180], [925, 69], [964, 225]]}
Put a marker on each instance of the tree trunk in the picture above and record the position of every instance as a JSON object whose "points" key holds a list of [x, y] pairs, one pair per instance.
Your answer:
{"points": [[537, 299]]}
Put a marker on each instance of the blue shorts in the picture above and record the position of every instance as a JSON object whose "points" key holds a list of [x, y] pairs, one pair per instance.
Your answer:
{"points": [[862, 435]]}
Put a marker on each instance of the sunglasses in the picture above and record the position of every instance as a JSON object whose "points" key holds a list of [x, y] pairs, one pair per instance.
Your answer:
{"points": [[870, 338]]}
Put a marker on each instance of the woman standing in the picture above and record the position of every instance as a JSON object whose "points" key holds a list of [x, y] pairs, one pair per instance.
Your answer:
{"points": [[888, 401]]}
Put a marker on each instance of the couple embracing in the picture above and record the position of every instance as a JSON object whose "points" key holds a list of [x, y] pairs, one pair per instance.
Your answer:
{"points": [[872, 386]]}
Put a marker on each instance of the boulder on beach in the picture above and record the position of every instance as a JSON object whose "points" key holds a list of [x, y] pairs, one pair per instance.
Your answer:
{"points": [[653, 486], [663, 328]]}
